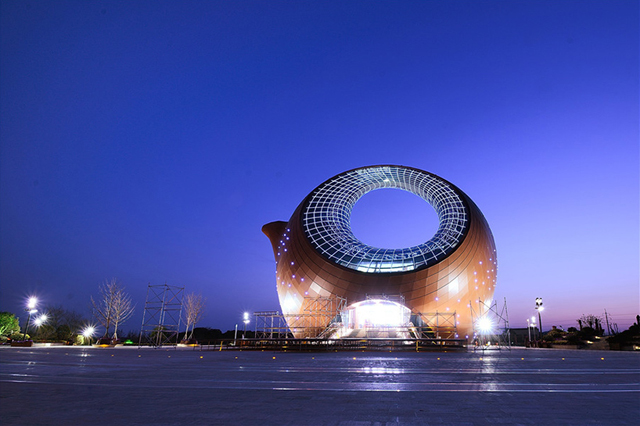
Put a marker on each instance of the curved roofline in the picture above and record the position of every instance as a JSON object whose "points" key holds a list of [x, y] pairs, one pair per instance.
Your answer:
{"points": [[467, 202]]}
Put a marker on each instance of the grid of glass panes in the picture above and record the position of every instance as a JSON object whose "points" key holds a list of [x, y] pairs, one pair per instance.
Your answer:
{"points": [[326, 219]]}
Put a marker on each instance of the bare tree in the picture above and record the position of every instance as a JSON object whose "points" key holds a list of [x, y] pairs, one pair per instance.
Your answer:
{"points": [[193, 307], [122, 310], [113, 307], [590, 321]]}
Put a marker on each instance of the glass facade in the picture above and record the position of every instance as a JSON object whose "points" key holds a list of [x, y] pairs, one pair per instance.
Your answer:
{"points": [[326, 219]]}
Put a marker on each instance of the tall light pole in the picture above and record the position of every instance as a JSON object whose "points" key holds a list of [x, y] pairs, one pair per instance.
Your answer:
{"points": [[41, 320], [539, 308], [245, 319], [235, 336], [31, 308], [529, 329], [535, 329]]}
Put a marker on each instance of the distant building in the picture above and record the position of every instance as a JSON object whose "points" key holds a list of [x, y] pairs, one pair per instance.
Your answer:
{"points": [[319, 258]]}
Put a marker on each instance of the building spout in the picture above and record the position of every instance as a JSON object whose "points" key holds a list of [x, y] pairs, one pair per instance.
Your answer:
{"points": [[274, 231]]}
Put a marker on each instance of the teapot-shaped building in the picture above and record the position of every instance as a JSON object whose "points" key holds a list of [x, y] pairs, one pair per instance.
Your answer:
{"points": [[318, 256]]}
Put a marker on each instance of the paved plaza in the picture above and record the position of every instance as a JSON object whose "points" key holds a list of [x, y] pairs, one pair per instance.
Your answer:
{"points": [[131, 386]]}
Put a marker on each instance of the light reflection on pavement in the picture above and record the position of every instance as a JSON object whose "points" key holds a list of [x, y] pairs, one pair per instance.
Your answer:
{"points": [[341, 385], [467, 372]]}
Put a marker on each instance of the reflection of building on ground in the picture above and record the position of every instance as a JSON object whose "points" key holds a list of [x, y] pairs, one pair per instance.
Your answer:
{"points": [[331, 285]]}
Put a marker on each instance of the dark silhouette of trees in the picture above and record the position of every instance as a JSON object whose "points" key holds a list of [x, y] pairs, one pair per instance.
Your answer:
{"points": [[592, 322], [62, 324], [627, 339]]}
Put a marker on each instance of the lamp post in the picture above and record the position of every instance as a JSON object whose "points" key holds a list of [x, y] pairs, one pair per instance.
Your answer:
{"points": [[539, 308], [31, 309], [245, 319], [40, 321], [87, 333], [534, 327], [529, 328]]}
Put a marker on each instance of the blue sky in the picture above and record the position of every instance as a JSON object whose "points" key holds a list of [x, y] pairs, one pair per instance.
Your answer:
{"points": [[150, 141]]}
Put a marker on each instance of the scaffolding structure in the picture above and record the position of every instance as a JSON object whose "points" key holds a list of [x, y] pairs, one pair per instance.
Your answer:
{"points": [[319, 316], [271, 325], [323, 318], [435, 325], [490, 326], [162, 315]]}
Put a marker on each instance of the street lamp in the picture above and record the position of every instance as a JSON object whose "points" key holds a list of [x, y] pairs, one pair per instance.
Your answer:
{"points": [[40, 320], [529, 328], [539, 308], [245, 319], [88, 332], [31, 309], [535, 328]]}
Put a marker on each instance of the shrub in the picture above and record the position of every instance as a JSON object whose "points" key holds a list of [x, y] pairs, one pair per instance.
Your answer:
{"points": [[19, 336], [627, 337], [573, 339], [8, 324]]}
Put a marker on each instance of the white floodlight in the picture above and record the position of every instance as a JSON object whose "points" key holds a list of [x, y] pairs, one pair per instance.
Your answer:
{"points": [[485, 325], [41, 320], [31, 309], [88, 331], [32, 302]]}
